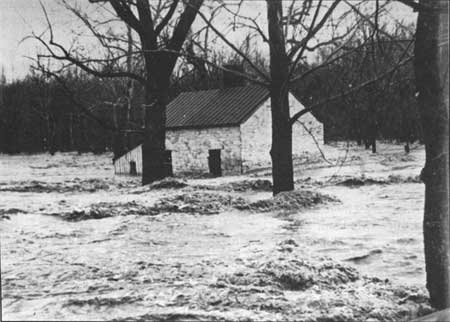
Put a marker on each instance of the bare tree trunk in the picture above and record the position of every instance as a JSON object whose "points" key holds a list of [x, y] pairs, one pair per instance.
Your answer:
{"points": [[130, 88], [281, 152], [159, 67], [153, 146], [435, 117]]}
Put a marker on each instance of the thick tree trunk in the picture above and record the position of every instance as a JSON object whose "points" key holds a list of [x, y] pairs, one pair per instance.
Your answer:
{"points": [[281, 152], [153, 146], [158, 68], [435, 117]]}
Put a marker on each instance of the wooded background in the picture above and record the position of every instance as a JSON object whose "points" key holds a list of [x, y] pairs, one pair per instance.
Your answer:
{"points": [[82, 113]]}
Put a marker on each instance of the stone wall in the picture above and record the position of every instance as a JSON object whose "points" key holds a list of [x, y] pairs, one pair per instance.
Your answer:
{"points": [[242, 148], [307, 132], [190, 149], [256, 135]]}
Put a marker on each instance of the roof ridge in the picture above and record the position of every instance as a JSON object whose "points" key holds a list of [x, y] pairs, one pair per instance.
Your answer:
{"points": [[218, 89]]}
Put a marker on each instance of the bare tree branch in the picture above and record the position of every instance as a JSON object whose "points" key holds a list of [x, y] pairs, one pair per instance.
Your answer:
{"points": [[208, 62], [312, 32], [125, 13], [167, 17], [232, 46], [355, 89], [368, 20], [71, 96], [67, 57], [329, 60]]}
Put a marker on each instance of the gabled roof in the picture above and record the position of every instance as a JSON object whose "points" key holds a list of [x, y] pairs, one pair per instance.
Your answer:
{"points": [[214, 108]]}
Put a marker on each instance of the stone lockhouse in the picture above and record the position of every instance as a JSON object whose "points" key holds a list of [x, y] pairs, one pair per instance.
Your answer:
{"points": [[224, 131]]}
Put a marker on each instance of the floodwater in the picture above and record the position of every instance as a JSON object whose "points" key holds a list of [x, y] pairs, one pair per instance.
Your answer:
{"points": [[230, 265], [378, 229]]}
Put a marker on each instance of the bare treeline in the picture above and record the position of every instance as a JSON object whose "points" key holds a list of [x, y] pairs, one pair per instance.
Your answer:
{"points": [[78, 112]]}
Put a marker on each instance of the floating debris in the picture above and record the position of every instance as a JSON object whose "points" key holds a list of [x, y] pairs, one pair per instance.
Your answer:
{"points": [[364, 258], [364, 181], [4, 213], [289, 201], [169, 183], [201, 203], [240, 186], [107, 209], [90, 185], [103, 301]]}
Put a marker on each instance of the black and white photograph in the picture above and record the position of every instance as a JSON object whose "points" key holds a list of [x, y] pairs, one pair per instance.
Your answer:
{"points": [[224, 160]]}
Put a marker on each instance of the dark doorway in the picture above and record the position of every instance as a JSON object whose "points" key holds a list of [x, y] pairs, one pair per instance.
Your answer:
{"points": [[133, 170], [214, 162], [168, 163]]}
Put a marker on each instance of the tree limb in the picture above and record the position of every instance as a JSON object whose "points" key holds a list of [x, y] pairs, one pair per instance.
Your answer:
{"points": [[313, 31], [313, 107], [68, 57], [167, 17], [232, 46], [125, 13]]}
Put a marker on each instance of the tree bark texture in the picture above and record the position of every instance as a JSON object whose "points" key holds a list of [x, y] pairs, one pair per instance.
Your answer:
{"points": [[159, 67], [281, 151], [431, 69], [153, 146]]}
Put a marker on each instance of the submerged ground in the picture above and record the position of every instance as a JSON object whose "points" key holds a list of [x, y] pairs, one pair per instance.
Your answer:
{"points": [[78, 243]]}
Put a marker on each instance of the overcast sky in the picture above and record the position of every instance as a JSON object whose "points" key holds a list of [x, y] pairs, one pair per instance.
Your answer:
{"points": [[19, 18]]}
